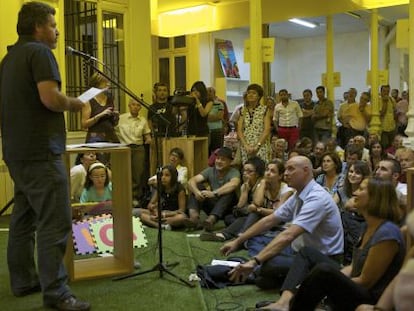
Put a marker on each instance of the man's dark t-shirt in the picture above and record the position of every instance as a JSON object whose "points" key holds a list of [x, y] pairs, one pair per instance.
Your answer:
{"points": [[30, 131]]}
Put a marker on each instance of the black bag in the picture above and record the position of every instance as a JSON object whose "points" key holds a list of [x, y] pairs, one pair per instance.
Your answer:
{"points": [[214, 277]]}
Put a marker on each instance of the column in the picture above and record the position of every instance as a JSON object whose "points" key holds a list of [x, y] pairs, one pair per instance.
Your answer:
{"points": [[256, 58], [375, 124]]}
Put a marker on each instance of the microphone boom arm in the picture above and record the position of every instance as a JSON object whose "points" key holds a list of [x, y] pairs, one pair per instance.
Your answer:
{"points": [[119, 84]]}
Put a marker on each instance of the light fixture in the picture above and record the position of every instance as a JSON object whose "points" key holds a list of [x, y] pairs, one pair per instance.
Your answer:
{"points": [[302, 22]]}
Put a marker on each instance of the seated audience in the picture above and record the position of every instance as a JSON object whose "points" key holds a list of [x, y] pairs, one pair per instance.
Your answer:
{"points": [[216, 200], [377, 259], [315, 221], [172, 200]]}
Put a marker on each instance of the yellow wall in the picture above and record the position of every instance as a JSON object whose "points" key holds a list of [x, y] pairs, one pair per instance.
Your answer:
{"points": [[8, 22]]}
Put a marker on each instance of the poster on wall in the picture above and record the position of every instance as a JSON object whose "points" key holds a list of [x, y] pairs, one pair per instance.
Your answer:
{"points": [[227, 58]]}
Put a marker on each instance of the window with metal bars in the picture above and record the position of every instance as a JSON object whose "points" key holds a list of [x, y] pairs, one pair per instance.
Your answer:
{"points": [[81, 33]]}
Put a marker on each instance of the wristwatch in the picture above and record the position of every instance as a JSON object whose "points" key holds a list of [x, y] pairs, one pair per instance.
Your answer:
{"points": [[216, 193]]}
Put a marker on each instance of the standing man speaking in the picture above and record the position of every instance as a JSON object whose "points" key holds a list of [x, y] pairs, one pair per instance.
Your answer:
{"points": [[33, 141]]}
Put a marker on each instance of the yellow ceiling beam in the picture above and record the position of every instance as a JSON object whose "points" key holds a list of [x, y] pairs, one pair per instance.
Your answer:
{"points": [[374, 4], [228, 15]]}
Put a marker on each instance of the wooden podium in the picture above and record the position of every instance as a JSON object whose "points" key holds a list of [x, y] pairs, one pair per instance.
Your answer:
{"points": [[195, 153], [122, 261]]}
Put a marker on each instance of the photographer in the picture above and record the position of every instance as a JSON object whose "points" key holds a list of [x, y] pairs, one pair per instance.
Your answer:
{"points": [[196, 115]]}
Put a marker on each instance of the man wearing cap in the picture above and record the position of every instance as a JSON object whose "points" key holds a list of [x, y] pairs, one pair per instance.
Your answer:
{"points": [[219, 196]]}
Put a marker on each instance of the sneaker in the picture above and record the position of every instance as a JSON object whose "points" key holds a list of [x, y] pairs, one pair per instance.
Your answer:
{"points": [[71, 304]]}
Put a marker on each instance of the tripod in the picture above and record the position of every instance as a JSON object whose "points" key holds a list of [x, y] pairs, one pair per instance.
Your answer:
{"points": [[160, 266]]}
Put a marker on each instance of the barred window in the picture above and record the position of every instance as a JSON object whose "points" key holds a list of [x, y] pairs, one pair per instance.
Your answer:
{"points": [[81, 33]]}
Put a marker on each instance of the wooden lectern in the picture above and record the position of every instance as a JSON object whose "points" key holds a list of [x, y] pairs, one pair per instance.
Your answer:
{"points": [[122, 261], [195, 152]]}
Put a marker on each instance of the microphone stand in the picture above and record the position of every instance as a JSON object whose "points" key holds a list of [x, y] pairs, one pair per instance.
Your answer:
{"points": [[161, 267], [6, 207]]}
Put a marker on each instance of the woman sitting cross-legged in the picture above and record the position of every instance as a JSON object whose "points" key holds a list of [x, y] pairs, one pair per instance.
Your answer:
{"points": [[173, 202], [271, 193], [376, 260]]}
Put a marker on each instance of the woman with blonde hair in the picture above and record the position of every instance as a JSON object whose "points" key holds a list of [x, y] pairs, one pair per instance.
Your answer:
{"points": [[99, 116]]}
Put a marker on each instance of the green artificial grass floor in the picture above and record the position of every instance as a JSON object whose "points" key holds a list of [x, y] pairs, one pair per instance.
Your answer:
{"points": [[148, 291]]}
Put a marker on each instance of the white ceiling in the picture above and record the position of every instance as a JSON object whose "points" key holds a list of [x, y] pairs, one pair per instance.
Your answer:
{"points": [[342, 22]]}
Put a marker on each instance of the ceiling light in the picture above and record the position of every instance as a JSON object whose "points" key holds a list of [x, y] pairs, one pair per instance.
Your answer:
{"points": [[302, 22]]}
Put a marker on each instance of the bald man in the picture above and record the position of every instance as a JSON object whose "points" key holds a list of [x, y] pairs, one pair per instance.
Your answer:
{"points": [[315, 222]]}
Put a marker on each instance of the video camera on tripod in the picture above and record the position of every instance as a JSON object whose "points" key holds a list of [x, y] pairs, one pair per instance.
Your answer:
{"points": [[182, 98]]}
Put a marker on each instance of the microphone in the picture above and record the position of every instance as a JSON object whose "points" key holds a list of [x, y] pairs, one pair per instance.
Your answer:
{"points": [[71, 51]]}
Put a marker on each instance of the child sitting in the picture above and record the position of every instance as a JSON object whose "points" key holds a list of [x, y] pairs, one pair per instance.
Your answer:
{"points": [[97, 188], [173, 202]]}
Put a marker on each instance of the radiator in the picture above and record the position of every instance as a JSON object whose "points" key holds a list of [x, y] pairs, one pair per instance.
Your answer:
{"points": [[6, 187]]}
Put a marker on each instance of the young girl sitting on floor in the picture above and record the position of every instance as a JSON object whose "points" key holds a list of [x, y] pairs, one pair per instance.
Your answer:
{"points": [[173, 202], [97, 188]]}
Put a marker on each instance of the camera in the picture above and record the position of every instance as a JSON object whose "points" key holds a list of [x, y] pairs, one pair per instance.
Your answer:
{"points": [[181, 98], [181, 92]]}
